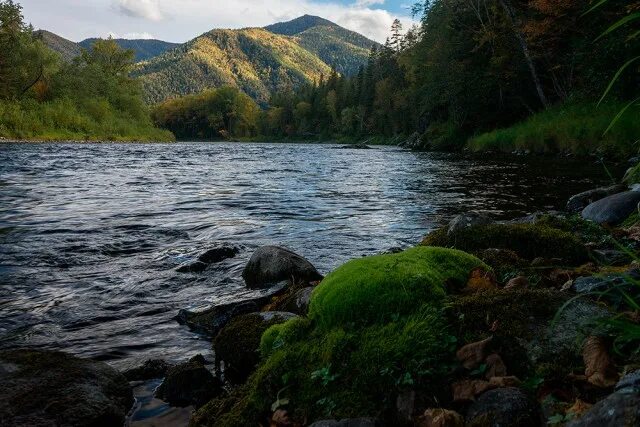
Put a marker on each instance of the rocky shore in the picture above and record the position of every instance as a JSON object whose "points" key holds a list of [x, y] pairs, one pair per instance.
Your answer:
{"points": [[528, 322]]}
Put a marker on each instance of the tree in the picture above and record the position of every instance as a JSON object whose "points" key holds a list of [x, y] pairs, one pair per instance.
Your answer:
{"points": [[396, 35]]}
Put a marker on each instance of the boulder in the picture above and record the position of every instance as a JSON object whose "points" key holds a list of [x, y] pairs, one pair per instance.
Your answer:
{"points": [[238, 342], [214, 255], [612, 210], [296, 301], [631, 381], [620, 409], [151, 369], [467, 220], [504, 407], [350, 422], [189, 383], [588, 284], [272, 264], [212, 320], [582, 200], [46, 388]]}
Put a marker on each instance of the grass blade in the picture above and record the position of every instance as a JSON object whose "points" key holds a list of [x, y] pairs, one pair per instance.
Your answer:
{"points": [[616, 77], [620, 114], [619, 24]]}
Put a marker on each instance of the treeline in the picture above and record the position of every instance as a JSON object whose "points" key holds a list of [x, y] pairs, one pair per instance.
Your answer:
{"points": [[42, 97]]}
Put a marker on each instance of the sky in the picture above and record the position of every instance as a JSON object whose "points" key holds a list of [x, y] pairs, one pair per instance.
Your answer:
{"points": [[182, 20]]}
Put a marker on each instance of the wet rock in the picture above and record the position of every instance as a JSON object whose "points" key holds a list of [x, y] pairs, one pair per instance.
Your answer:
{"points": [[295, 302], [620, 409], [189, 383], [631, 381], [357, 146], [238, 342], [350, 422], [151, 369], [504, 407], [589, 284], [45, 388], [272, 264], [536, 217], [467, 220], [582, 200], [612, 210], [211, 256], [212, 320]]}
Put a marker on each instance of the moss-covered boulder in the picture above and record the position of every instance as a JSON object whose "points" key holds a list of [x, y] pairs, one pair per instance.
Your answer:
{"points": [[375, 329], [45, 388], [377, 288], [238, 343], [528, 241]]}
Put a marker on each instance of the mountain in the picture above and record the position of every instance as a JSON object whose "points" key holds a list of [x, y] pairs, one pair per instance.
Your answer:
{"points": [[340, 48], [255, 60], [66, 48], [144, 48]]}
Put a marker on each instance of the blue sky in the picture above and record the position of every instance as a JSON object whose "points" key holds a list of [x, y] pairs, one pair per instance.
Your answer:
{"points": [[182, 20]]}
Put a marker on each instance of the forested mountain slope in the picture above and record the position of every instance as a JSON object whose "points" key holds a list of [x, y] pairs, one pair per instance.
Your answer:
{"points": [[144, 48]]}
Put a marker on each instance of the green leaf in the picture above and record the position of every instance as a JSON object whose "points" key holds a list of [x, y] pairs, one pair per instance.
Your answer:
{"points": [[619, 24], [620, 114], [616, 77], [594, 7]]}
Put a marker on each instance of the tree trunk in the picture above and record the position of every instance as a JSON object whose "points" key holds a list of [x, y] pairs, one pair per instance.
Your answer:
{"points": [[506, 5]]}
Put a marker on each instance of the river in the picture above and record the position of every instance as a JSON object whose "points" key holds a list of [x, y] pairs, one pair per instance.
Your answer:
{"points": [[91, 234]]}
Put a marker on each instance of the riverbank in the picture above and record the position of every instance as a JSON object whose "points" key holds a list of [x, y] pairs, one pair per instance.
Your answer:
{"points": [[520, 322]]}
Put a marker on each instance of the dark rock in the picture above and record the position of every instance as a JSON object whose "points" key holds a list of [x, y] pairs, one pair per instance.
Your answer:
{"points": [[588, 284], [188, 384], [582, 200], [536, 217], [238, 343], [211, 256], [357, 146], [504, 407], [296, 302], [212, 320], [611, 257], [467, 220], [46, 388], [273, 264], [612, 210], [351, 422], [620, 409], [151, 369]]}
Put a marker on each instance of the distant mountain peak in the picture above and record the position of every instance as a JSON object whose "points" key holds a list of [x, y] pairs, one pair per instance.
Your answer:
{"points": [[299, 25]]}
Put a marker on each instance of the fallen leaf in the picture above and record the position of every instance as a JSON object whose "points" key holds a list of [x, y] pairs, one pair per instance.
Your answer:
{"points": [[280, 418], [481, 279], [502, 382], [440, 417], [579, 408], [472, 355], [495, 366], [467, 390], [599, 368], [495, 325], [519, 282]]}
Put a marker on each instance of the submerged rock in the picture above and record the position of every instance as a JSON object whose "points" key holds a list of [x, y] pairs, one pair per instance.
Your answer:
{"points": [[272, 264], [189, 383], [582, 200], [46, 388], [211, 256], [504, 407], [613, 210], [238, 342], [357, 146]]}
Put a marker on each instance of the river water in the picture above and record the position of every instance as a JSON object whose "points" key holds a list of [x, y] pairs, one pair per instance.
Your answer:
{"points": [[91, 234]]}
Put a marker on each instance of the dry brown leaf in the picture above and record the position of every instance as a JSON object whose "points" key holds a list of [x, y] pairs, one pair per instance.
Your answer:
{"points": [[502, 382], [472, 355], [481, 279], [440, 417], [495, 366], [467, 390], [519, 282], [280, 418], [579, 408], [599, 368]]}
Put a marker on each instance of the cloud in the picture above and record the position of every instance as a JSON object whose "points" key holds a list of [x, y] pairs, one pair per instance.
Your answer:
{"points": [[367, 3], [131, 36], [146, 9]]}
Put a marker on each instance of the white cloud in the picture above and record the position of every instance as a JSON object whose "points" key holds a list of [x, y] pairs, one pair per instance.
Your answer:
{"points": [[367, 3], [130, 36], [147, 9]]}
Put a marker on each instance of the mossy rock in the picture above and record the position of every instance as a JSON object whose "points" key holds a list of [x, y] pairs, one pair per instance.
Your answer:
{"points": [[238, 342], [633, 175], [374, 289], [529, 241]]}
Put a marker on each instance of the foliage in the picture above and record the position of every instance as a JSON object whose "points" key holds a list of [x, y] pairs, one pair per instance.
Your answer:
{"points": [[574, 128], [529, 241], [374, 289], [91, 98], [215, 113]]}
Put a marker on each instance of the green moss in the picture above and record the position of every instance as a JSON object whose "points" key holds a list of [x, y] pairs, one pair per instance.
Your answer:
{"points": [[633, 175], [634, 219], [527, 240], [374, 289]]}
